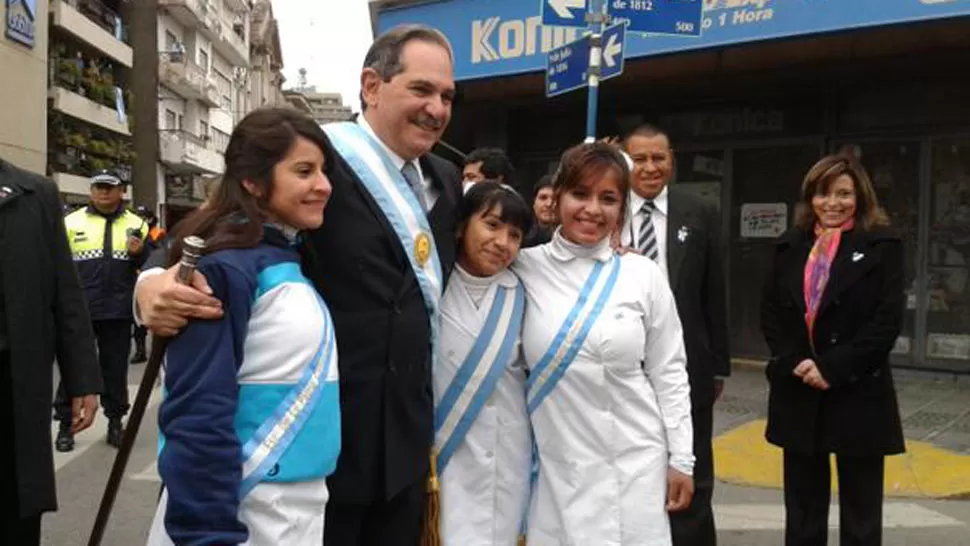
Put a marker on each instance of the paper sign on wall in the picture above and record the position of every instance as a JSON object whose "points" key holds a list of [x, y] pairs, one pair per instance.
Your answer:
{"points": [[763, 220]]}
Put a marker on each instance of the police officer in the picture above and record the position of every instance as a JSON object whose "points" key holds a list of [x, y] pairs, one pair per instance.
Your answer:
{"points": [[108, 246]]}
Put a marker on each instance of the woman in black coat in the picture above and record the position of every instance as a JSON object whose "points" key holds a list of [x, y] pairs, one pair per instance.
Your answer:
{"points": [[42, 315], [832, 308]]}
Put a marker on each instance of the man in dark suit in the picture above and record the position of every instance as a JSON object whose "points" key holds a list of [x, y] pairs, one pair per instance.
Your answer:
{"points": [[362, 269], [42, 316], [680, 231]]}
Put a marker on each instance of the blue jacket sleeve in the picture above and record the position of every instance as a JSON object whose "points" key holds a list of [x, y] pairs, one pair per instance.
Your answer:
{"points": [[200, 463]]}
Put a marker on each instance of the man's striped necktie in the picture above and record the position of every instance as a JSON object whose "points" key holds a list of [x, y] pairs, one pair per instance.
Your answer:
{"points": [[647, 239]]}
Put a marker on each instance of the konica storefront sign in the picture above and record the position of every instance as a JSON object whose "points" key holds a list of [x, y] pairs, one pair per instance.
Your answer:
{"points": [[502, 37]]}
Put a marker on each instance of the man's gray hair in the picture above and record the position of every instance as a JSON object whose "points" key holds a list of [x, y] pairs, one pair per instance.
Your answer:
{"points": [[384, 55]]}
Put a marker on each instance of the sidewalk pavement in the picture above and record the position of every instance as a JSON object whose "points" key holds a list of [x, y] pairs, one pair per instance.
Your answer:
{"points": [[935, 409]]}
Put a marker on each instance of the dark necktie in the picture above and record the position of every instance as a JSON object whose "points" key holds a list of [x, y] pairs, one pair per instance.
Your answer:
{"points": [[647, 240]]}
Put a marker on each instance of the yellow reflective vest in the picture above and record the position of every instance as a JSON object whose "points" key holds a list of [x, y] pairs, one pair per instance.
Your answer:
{"points": [[99, 245]]}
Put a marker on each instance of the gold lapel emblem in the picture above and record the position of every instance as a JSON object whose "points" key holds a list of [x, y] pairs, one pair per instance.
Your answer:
{"points": [[422, 248]]}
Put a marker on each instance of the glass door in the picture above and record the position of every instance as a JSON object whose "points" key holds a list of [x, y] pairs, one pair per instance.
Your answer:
{"points": [[948, 270], [765, 185]]}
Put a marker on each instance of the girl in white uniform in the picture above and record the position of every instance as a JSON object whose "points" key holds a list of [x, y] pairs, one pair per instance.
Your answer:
{"points": [[607, 393], [482, 436]]}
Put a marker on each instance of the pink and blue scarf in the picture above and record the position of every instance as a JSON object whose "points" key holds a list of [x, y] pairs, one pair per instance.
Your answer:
{"points": [[818, 267]]}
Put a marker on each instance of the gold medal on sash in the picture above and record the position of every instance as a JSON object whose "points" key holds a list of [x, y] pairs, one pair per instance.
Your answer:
{"points": [[422, 248]]}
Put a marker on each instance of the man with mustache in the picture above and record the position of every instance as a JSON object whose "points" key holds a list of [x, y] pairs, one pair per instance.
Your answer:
{"points": [[379, 264], [681, 232]]}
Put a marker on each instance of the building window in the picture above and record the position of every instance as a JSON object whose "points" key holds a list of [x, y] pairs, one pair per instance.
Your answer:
{"points": [[204, 60], [179, 122], [171, 41], [171, 120], [220, 140], [226, 103], [204, 129]]}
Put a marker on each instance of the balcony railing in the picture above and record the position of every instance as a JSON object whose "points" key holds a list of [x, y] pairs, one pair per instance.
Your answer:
{"points": [[189, 80], [183, 150], [103, 16]]}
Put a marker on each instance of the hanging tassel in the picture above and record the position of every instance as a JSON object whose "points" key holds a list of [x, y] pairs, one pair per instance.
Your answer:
{"points": [[431, 528]]}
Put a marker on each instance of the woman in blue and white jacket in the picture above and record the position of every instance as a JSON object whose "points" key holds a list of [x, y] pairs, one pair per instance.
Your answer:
{"points": [[250, 423]]}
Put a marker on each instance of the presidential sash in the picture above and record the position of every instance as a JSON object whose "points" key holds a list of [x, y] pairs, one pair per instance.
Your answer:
{"points": [[571, 335], [390, 190], [478, 374], [271, 440]]}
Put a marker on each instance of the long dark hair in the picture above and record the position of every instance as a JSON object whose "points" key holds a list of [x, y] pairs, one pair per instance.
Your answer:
{"points": [[232, 217]]}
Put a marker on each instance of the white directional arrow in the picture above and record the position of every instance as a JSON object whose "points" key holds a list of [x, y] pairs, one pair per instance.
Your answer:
{"points": [[563, 7], [612, 48]]}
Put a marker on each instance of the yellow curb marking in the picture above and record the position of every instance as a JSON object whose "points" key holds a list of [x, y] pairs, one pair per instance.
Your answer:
{"points": [[743, 456]]}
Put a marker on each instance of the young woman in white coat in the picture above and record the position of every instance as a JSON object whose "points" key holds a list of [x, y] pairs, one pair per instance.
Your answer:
{"points": [[483, 440], [607, 393]]}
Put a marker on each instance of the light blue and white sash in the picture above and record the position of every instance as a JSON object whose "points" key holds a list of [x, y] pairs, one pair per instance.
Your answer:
{"points": [[395, 197], [479, 374], [571, 335], [274, 436]]}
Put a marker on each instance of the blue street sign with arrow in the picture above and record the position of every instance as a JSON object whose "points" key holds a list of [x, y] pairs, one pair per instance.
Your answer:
{"points": [[567, 67], [564, 13], [680, 17]]}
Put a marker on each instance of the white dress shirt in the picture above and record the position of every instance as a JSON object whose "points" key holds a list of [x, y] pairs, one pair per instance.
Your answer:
{"points": [[430, 193], [634, 221]]}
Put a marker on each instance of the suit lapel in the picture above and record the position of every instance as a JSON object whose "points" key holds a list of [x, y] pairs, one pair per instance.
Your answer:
{"points": [[853, 260], [794, 267]]}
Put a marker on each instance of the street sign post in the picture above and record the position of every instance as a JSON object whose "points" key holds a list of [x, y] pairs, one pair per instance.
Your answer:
{"points": [[678, 17], [564, 13]]}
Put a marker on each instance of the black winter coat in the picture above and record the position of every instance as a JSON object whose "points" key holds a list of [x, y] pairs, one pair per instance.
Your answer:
{"points": [[46, 317], [859, 318]]}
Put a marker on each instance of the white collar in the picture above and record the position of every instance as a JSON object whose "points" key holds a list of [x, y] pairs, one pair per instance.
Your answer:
{"points": [[563, 250], [396, 160], [660, 202], [502, 278]]}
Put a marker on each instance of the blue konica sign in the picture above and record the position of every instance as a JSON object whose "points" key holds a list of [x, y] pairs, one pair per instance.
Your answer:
{"points": [[502, 37]]}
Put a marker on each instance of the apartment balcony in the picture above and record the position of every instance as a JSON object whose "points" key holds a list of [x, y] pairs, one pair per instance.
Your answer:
{"points": [[190, 81], [84, 109], [95, 24], [239, 6], [231, 43], [200, 14], [182, 151]]}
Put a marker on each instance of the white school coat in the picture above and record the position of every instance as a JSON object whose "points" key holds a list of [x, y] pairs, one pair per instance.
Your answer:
{"points": [[620, 414], [485, 487]]}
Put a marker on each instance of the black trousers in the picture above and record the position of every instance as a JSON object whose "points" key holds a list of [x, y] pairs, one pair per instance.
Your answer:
{"points": [[139, 334], [807, 496], [114, 346], [695, 525], [15, 530], [395, 522]]}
